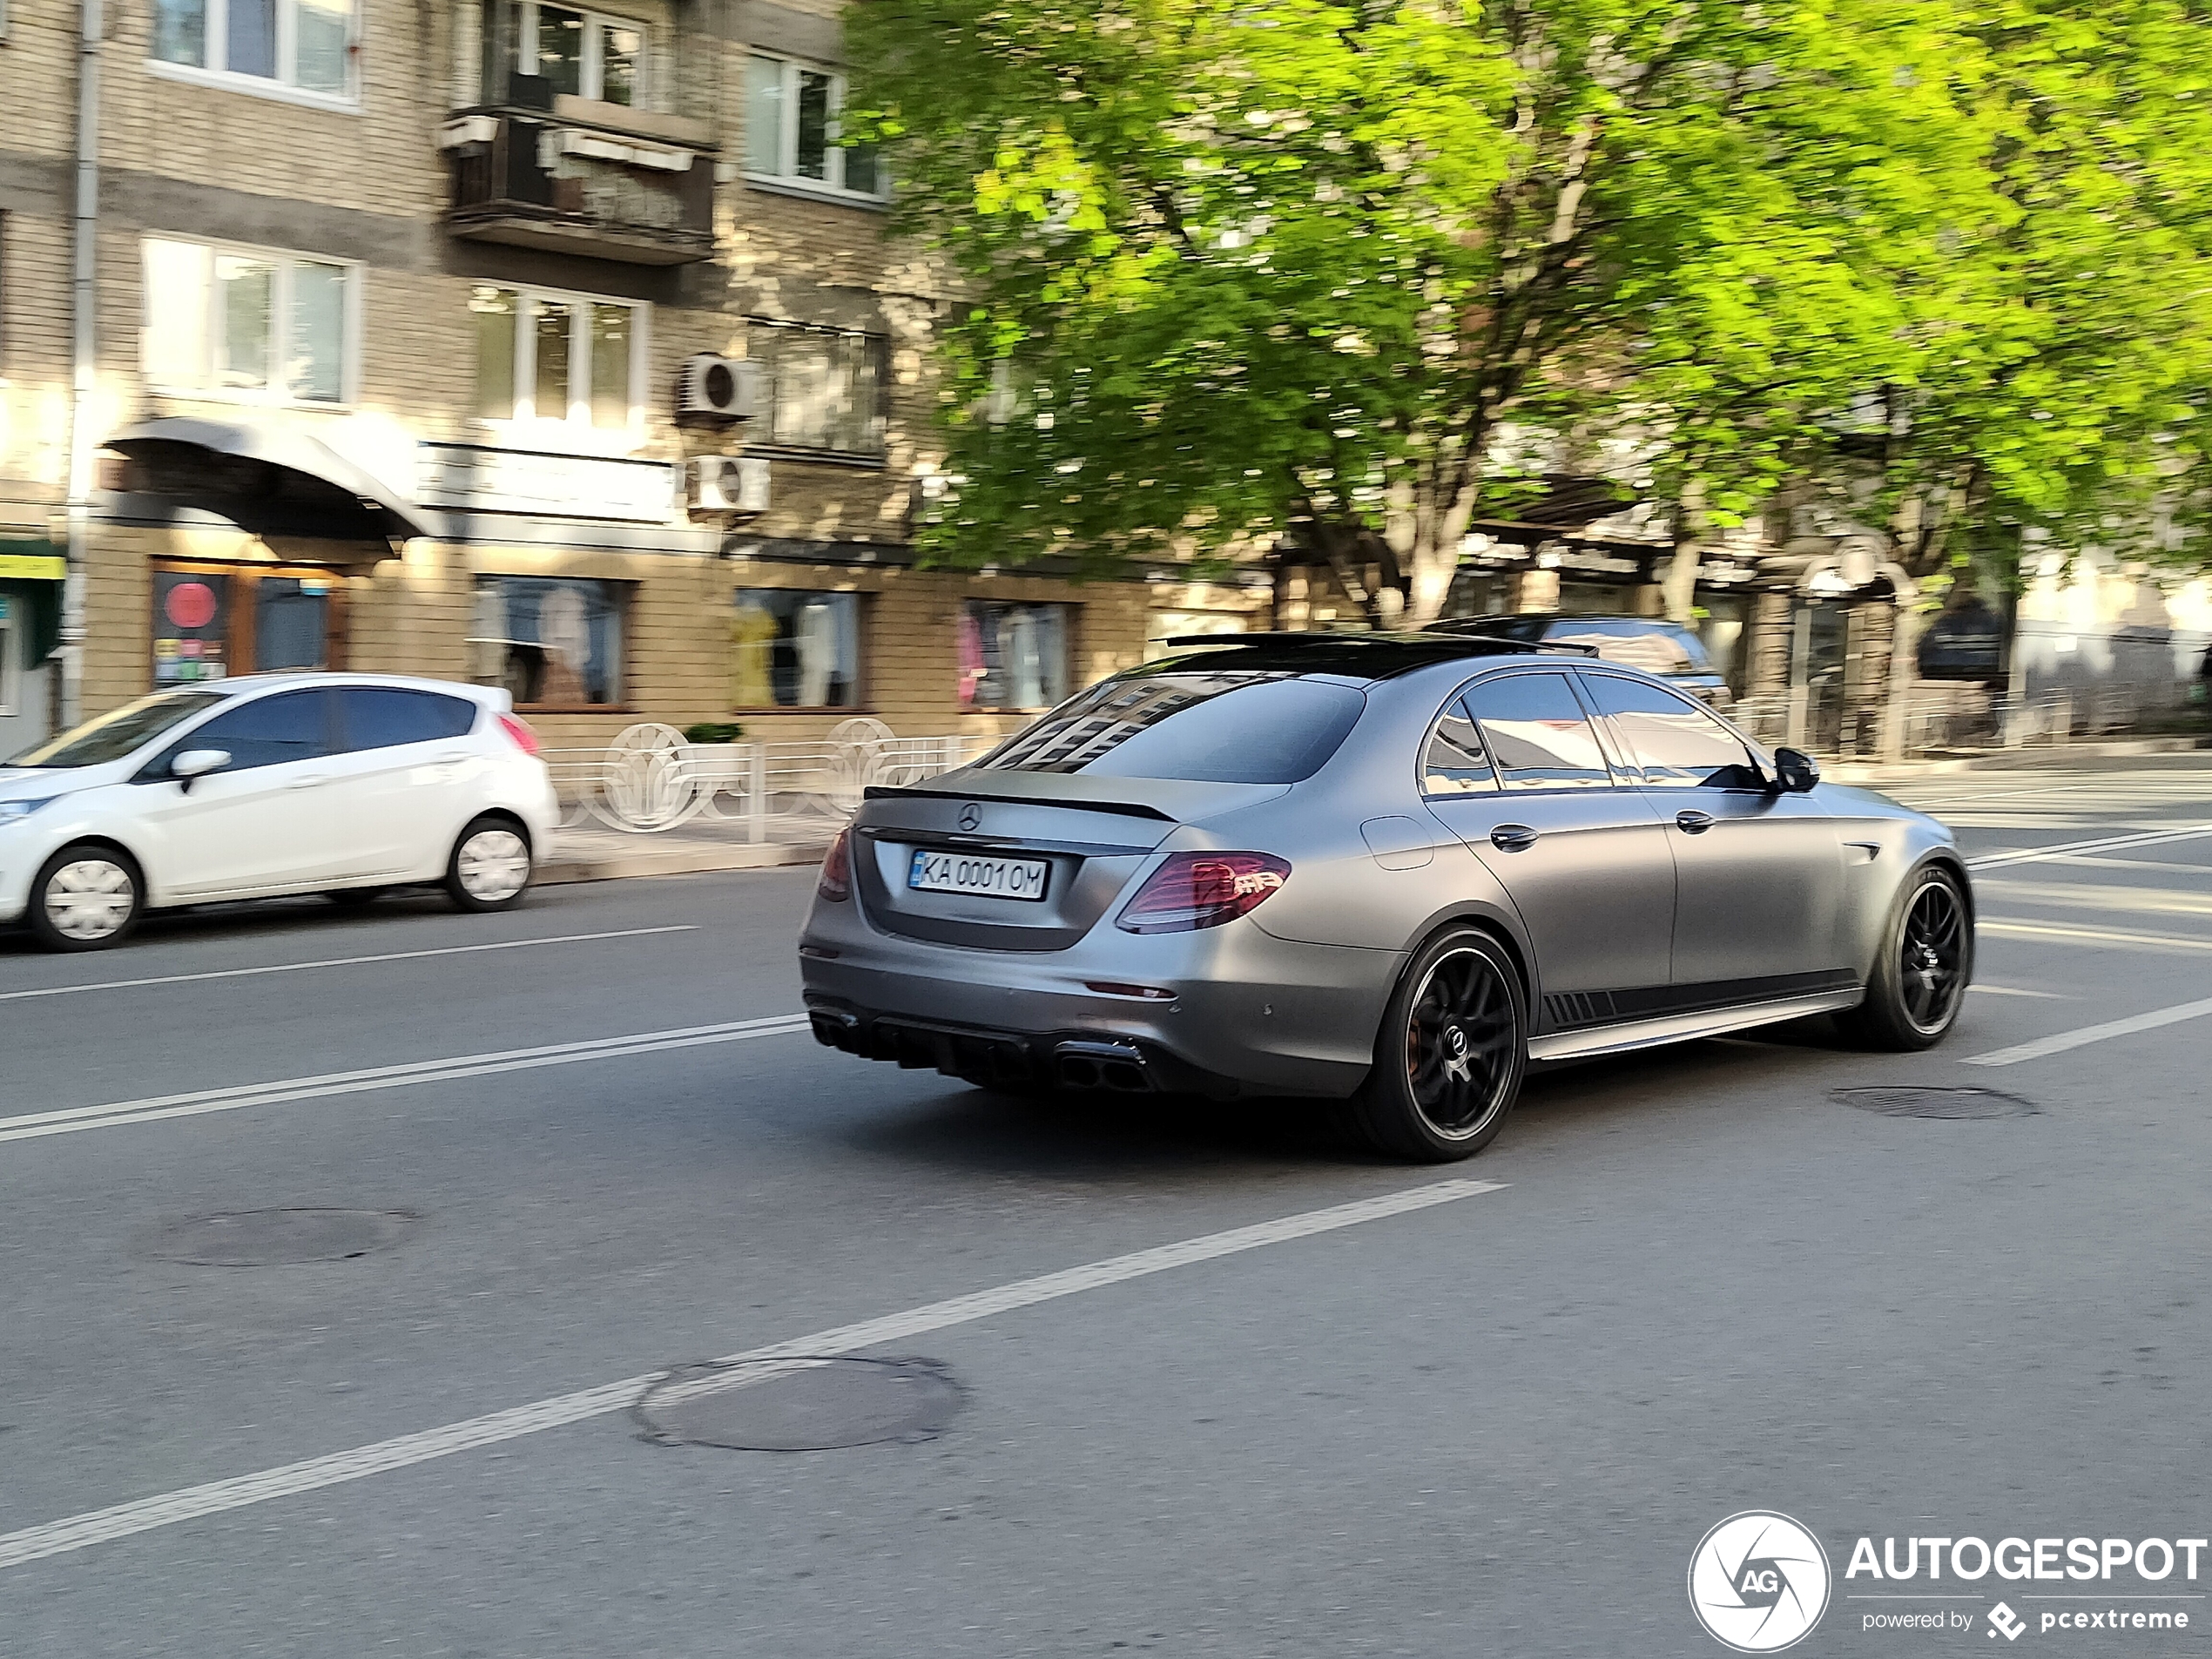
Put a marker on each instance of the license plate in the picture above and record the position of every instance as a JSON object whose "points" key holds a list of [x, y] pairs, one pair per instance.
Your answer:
{"points": [[988, 878]]}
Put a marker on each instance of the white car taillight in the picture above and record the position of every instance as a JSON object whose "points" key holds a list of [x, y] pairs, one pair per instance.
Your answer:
{"points": [[519, 732]]}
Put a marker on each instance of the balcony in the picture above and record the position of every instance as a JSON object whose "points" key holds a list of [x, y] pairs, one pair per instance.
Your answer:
{"points": [[582, 178]]}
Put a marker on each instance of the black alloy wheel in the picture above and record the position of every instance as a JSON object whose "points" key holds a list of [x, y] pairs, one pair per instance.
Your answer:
{"points": [[1920, 979], [1931, 967], [1450, 1057]]}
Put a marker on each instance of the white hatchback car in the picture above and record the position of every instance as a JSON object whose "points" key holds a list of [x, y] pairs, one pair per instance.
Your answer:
{"points": [[267, 784]]}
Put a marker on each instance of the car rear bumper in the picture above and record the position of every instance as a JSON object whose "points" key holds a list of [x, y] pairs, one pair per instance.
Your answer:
{"points": [[1233, 1010]]}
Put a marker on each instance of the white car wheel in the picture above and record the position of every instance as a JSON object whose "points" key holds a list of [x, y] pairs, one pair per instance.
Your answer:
{"points": [[491, 866], [86, 898]]}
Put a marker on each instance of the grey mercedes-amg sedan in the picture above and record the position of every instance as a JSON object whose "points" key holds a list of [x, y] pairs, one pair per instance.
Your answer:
{"points": [[1389, 869]]}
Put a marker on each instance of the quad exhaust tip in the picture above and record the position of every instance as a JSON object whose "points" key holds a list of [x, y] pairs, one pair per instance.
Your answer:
{"points": [[1118, 1067]]}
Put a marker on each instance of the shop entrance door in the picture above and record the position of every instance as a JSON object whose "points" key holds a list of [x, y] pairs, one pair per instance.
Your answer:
{"points": [[23, 681]]}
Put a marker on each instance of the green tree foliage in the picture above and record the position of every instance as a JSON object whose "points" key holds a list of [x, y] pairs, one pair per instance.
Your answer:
{"points": [[1365, 272], [2061, 354]]}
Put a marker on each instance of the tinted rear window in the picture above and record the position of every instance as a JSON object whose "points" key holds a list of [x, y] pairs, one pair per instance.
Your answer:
{"points": [[1655, 647], [383, 717], [1223, 728]]}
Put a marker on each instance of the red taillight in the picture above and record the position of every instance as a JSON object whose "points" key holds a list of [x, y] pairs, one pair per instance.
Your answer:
{"points": [[837, 870], [1202, 890], [525, 739]]}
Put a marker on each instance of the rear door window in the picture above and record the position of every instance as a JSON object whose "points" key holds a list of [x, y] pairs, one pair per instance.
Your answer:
{"points": [[384, 716], [1226, 727], [1537, 732], [1679, 744]]}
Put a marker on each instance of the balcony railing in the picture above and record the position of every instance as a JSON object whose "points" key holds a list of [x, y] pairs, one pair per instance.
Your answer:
{"points": [[550, 179]]}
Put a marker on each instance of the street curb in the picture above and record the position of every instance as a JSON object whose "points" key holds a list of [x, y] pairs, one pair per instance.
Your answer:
{"points": [[667, 861]]}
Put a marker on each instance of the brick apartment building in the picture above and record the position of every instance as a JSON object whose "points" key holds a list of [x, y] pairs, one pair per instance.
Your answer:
{"points": [[469, 260]]}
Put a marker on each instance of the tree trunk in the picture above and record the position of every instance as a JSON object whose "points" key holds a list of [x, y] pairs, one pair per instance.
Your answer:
{"points": [[1680, 584], [1429, 584]]}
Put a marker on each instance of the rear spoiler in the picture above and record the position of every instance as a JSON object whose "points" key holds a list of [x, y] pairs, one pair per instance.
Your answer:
{"points": [[1120, 808]]}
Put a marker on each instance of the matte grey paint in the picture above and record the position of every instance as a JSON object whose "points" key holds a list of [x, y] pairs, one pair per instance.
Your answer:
{"points": [[1775, 921]]}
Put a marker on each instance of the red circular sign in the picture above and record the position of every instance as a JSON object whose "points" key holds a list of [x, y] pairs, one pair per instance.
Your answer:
{"points": [[190, 604]]}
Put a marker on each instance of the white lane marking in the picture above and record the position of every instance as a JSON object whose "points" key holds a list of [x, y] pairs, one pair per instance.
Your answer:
{"points": [[33, 1125], [2008, 990], [2036, 854], [340, 961], [2165, 865], [2101, 895], [2015, 926], [2059, 1042], [102, 1525]]}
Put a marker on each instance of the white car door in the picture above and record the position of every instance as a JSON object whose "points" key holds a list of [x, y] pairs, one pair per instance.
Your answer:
{"points": [[406, 779], [261, 824]]}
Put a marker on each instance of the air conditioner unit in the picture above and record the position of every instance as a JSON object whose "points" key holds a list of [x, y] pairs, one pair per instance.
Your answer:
{"points": [[713, 388], [730, 485]]}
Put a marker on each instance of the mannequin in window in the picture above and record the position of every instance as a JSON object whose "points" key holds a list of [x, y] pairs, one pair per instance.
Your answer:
{"points": [[565, 635]]}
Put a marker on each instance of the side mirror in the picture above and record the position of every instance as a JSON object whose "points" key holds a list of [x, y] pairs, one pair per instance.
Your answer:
{"points": [[196, 763], [1794, 773]]}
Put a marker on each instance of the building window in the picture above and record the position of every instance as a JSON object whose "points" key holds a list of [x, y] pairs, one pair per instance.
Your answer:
{"points": [[796, 649], [1012, 656], [558, 357], [307, 45], [792, 131], [553, 642], [825, 389], [583, 54], [211, 622], [248, 323]]}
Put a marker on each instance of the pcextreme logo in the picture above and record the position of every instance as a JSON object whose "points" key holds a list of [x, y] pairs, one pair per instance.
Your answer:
{"points": [[1758, 1582]]}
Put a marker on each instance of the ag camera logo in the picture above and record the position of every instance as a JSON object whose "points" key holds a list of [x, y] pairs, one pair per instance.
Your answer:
{"points": [[1758, 1582]]}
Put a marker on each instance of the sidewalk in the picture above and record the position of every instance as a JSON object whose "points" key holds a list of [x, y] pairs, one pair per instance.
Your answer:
{"points": [[2028, 758]]}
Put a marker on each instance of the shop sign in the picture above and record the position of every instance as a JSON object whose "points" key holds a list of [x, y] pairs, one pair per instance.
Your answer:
{"points": [[481, 479], [33, 567]]}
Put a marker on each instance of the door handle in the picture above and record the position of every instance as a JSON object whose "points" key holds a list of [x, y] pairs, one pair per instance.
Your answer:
{"points": [[1693, 823], [1512, 838], [309, 783]]}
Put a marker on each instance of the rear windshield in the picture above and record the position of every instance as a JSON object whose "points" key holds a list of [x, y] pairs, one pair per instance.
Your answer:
{"points": [[1656, 648], [1221, 728]]}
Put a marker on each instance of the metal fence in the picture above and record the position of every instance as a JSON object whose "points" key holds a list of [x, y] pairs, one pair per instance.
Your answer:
{"points": [[652, 780]]}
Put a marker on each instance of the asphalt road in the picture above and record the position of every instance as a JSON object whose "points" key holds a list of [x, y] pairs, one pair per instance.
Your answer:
{"points": [[1496, 1423]]}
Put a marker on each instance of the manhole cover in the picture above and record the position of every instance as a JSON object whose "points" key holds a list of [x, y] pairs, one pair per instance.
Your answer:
{"points": [[1902, 1101], [800, 1405], [270, 1238]]}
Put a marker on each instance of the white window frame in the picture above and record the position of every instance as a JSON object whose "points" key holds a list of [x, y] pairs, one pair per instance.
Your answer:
{"points": [[577, 417], [591, 76], [283, 86], [281, 262], [787, 176]]}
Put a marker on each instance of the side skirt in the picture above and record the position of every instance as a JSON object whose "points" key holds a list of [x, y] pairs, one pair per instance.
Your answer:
{"points": [[1684, 1028]]}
